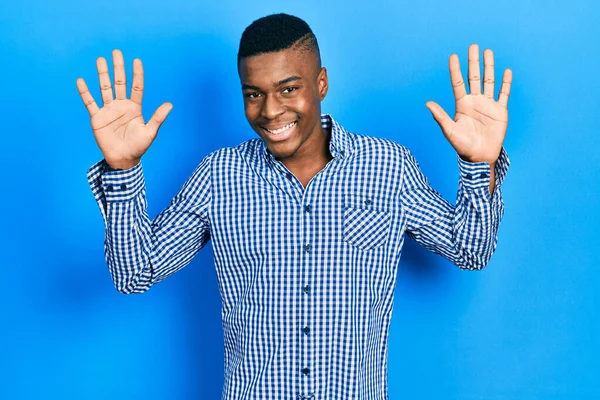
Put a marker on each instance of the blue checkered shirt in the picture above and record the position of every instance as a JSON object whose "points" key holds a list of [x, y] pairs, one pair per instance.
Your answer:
{"points": [[306, 275]]}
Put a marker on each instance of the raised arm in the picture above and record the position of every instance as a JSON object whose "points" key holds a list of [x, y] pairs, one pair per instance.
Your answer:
{"points": [[139, 252], [466, 234]]}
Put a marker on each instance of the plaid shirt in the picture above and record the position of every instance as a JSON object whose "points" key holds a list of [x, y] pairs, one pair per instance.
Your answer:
{"points": [[306, 275]]}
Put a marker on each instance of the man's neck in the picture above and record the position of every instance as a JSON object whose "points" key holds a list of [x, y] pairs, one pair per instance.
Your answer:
{"points": [[313, 159]]}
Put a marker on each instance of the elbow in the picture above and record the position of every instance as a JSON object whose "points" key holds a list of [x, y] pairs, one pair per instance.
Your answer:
{"points": [[476, 256], [132, 285], [129, 289], [472, 266], [471, 262]]}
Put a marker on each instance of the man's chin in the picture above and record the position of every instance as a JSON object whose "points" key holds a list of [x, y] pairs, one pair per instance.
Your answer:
{"points": [[277, 145], [282, 152]]}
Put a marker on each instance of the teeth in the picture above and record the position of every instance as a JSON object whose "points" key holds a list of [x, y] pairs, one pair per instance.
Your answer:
{"points": [[280, 130]]}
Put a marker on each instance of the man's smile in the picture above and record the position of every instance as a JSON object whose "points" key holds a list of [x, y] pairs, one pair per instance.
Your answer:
{"points": [[280, 133]]}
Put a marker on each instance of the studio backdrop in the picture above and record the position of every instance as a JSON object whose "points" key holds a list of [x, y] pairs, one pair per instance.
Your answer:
{"points": [[526, 327]]}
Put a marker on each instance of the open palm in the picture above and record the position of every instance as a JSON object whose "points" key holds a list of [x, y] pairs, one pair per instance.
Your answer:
{"points": [[119, 127], [479, 125]]}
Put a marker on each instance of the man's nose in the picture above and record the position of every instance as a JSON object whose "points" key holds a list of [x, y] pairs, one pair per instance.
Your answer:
{"points": [[272, 107]]}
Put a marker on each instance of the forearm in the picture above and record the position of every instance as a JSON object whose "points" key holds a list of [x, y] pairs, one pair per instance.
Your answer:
{"points": [[128, 234], [141, 252], [479, 210], [476, 221], [465, 234]]}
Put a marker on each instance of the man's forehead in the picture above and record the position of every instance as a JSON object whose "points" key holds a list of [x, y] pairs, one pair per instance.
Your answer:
{"points": [[274, 66]]}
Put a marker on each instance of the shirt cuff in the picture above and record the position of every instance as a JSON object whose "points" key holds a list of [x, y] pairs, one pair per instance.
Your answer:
{"points": [[501, 168], [122, 185], [117, 185], [477, 175], [94, 177]]}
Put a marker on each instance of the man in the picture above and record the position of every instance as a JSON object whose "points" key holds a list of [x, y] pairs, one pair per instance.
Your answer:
{"points": [[307, 222]]}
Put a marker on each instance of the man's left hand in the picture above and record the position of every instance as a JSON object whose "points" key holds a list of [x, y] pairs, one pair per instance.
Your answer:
{"points": [[479, 125]]}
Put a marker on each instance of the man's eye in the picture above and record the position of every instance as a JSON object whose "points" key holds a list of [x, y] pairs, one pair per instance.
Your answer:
{"points": [[252, 95], [290, 89]]}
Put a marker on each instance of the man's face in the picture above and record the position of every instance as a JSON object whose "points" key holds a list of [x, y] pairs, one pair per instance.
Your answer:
{"points": [[282, 100]]}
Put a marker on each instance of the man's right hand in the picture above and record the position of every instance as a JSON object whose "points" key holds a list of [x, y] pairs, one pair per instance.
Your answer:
{"points": [[119, 127]]}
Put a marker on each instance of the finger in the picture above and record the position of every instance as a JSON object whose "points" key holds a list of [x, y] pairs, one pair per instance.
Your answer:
{"points": [[505, 90], [488, 73], [87, 97], [442, 118], [474, 70], [105, 86], [159, 117], [120, 79], [458, 83], [137, 87]]}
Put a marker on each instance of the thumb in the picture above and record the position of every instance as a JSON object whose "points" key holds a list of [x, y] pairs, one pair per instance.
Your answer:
{"points": [[159, 117], [441, 117]]}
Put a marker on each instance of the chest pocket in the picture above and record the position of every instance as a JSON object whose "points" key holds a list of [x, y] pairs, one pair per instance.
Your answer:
{"points": [[366, 224]]}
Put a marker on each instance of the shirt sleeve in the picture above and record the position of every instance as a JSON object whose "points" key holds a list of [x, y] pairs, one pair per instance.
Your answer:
{"points": [[465, 234], [141, 252]]}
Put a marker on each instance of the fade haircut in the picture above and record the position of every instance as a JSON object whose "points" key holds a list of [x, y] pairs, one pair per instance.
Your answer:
{"points": [[277, 32]]}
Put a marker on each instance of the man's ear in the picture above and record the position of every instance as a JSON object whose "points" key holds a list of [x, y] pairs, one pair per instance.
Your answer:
{"points": [[323, 83]]}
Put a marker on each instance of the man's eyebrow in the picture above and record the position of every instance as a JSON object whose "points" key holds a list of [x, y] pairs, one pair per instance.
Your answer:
{"points": [[281, 82], [288, 80], [245, 86]]}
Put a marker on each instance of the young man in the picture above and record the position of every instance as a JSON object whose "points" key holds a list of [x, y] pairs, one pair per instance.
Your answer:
{"points": [[307, 222]]}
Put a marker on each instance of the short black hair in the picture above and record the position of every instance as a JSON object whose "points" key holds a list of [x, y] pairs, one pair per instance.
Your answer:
{"points": [[277, 32]]}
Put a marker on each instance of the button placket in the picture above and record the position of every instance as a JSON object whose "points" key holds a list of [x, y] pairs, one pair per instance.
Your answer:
{"points": [[305, 327]]}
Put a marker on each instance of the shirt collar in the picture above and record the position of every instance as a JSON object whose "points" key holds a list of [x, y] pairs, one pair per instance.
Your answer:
{"points": [[340, 143]]}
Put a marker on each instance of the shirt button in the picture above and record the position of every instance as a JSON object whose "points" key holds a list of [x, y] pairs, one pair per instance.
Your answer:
{"points": [[289, 176], [307, 248], [483, 175], [305, 371], [109, 188], [468, 176], [123, 186], [306, 330], [306, 289], [368, 202], [307, 208]]}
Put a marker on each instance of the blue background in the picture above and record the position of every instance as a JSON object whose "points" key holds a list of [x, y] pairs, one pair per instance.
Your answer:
{"points": [[524, 328]]}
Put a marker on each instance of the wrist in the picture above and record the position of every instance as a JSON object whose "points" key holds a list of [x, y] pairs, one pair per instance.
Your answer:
{"points": [[121, 166], [477, 160]]}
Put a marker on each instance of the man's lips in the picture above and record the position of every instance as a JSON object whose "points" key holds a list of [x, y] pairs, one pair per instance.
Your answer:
{"points": [[281, 132], [279, 128]]}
